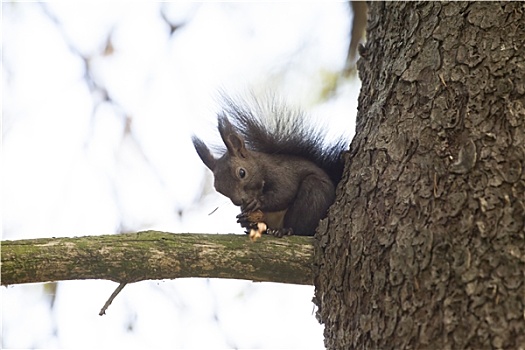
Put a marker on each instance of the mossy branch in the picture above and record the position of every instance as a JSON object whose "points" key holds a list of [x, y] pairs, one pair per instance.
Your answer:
{"points": [[152, 255]]}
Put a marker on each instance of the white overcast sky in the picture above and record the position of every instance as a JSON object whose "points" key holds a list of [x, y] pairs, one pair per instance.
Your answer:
{"points": [[70, 169]]}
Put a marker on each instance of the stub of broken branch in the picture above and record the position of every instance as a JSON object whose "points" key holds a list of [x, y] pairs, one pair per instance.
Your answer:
{"points": [[151, 255]]}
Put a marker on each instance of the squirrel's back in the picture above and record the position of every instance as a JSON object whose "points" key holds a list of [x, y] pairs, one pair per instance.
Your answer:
{"points": [[270, 127]]}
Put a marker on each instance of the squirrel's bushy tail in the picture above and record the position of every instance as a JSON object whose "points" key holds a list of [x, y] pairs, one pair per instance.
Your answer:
{"points": [[270, 127]]}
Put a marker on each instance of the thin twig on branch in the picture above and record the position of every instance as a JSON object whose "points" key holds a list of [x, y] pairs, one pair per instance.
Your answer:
{"points": [[152, 255], [111, 298]]}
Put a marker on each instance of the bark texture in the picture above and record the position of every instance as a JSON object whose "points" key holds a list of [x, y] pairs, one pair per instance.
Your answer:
{"points": [[425, 246], [157, 255]]}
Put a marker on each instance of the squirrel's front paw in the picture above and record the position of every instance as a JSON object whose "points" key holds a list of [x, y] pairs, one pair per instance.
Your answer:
{"points": [[250, 206], [280, 232], [244, 220], [248, 219]]}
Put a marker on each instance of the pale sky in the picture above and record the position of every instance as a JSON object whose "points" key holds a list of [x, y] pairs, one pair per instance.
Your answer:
{"points": [[70, 169]]}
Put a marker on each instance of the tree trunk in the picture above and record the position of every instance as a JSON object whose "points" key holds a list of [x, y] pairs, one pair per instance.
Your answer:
{"points": [[425, 246]]}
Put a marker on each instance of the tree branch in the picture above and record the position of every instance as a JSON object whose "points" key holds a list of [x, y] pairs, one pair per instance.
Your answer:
{"points": [[151, 255]]}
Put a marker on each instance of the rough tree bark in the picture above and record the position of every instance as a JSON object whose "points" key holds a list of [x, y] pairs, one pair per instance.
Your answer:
{"points": [[425, 246]]}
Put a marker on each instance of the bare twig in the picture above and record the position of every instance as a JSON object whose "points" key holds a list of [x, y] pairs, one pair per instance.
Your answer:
{"points": [[112, 296]]}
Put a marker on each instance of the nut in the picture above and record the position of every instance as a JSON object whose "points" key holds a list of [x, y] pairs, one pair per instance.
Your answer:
{"points": [[256, 233]]}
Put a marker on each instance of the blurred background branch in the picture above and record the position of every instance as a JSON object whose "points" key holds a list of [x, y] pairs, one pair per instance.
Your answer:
{"points": [[100, 100]]}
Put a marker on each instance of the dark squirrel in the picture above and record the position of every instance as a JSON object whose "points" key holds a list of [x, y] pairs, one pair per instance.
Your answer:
{"points": [[277, 163]]}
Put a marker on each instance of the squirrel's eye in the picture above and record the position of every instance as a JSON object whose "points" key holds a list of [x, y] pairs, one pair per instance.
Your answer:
{"points": [[242, 173]]}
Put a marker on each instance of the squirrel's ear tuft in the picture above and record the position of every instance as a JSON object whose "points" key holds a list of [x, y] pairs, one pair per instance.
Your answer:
{"points": [[231, 138], [225, 126], [204, 153]]}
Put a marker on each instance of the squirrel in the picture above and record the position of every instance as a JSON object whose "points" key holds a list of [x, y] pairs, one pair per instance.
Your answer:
{"points": [[278, 166]]}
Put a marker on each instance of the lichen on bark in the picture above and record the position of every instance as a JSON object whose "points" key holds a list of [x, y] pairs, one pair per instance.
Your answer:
{"points": [[157, 255]]}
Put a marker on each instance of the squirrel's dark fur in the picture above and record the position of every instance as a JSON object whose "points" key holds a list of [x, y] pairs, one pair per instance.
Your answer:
{"points": [[277, 161]]}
